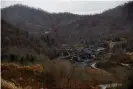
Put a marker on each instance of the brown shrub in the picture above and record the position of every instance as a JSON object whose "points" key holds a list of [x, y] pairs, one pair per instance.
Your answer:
{"points": [[23, 75], [9, 85], [58, 75], [120, 57]]}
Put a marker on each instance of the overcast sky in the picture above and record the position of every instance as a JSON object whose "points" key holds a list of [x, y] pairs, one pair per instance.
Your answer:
{"points": [[73, 6]]}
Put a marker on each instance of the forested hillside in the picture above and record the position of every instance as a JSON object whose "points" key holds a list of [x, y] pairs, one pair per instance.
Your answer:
{"points": [[45, 33], [71, 51], [19, 45], [71, 28]]}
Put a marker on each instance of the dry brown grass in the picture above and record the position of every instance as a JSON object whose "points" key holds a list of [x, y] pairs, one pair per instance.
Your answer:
{"points": [[36, 77], [131, 57], [23, 75], [9, 85], [119, 71], [101, 75], [59, 74], [121, 57], [35, 68]]}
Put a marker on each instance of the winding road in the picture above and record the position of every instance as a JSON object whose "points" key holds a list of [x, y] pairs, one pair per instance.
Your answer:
{"points": [[113, 85], [127, 65], [93, 65], [104, 86]]}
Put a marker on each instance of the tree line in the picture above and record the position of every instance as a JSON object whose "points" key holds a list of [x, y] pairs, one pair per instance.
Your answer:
{"points": [[28, 58]]}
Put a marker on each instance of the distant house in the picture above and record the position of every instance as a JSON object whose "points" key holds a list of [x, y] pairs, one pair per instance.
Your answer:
{"points": [[100, 49], [46, 32]]}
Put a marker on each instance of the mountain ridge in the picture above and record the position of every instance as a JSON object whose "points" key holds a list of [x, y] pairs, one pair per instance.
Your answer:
{"points": [[70, 28]]}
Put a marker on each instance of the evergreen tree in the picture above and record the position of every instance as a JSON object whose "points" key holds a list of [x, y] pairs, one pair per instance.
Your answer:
{"points": [[27, 57], [22, 60], [12, 57], [32, 59]]}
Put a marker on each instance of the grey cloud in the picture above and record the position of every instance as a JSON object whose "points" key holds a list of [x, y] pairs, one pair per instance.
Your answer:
{"points": [[77, 7]]}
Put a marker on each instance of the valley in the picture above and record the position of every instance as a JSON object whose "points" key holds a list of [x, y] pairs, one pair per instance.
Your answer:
{"points": [[43, 50]]}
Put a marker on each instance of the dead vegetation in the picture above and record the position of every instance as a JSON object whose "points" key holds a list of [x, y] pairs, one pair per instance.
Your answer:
{"points": [[8, 85], [22, 75], [60, 74], [38, 77]]}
